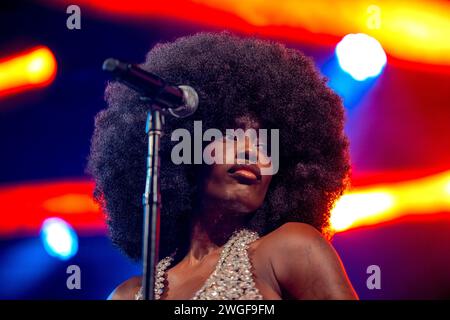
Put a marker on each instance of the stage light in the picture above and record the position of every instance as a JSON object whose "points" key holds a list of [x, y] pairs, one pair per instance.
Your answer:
{"points": [[364, 205], [28, 70], [59, 238], [447, 188], [413, 33], [70, 200], [71, 203], [361, 56], [382, 203], [355, 206]]}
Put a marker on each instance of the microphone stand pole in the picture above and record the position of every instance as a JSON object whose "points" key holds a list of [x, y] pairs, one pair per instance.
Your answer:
{"points": [[136, 78], [152, 202]]}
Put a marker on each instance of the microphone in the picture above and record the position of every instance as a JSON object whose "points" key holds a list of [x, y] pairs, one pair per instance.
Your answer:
{"points": [[180, 101]]}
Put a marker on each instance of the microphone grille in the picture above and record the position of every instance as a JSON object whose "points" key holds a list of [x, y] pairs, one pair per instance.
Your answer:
{"points": [[110, 64], [190, 99]]}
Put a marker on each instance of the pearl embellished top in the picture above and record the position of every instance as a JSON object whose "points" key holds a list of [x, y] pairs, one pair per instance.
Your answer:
{"points": [[232, 277]]}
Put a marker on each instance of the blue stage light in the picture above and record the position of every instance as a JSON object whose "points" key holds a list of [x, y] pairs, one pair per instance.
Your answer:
{"points": [[361, 56], [59, 238]]}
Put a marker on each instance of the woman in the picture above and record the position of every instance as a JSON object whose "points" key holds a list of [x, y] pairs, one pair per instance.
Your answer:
{"points": [[227, 231]]}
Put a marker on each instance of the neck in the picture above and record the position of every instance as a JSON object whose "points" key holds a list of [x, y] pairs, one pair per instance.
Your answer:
{"points": [[210, 230]]}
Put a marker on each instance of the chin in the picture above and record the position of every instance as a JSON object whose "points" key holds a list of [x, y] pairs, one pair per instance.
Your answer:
{"points": [[242, 207], [239, 200]]}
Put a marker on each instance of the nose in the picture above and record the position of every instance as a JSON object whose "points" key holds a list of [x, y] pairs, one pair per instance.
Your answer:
{"points": [[247, 150]]}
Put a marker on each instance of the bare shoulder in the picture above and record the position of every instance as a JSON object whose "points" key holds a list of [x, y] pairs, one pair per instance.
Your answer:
{"points": [[305, 264], [301, 241], [293, 235], [292, 239], [126, 290]]}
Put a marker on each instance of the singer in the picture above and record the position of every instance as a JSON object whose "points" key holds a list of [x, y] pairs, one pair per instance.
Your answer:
{"points": [[228, 232]]}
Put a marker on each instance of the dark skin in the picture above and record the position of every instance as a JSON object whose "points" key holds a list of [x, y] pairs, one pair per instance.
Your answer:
{"points": [[292, 262]]}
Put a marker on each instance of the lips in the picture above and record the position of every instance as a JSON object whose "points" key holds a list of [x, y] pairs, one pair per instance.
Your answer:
{"points": [[245, 173]]}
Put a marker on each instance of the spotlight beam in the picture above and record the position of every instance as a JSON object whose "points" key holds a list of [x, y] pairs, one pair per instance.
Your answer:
{"points": [[25, 71]]}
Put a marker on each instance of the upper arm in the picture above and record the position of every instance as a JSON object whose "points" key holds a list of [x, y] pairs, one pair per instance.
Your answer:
{"points": [[307, 266], [126, 290]]}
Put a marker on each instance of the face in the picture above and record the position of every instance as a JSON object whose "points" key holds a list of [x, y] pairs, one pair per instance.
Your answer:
{"points": [[237, 184]]}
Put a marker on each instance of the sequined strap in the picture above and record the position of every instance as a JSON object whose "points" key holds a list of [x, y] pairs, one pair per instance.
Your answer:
{"points": [[162, 265]]}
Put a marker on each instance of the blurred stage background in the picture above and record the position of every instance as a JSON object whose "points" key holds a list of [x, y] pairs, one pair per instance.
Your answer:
{"points": [[396, 216]]}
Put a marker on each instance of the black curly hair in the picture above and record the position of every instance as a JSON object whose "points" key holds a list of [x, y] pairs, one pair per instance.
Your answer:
{"points": [[234, 77]]}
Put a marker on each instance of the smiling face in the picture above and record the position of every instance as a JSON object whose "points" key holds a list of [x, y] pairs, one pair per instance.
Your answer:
{"points": [[237, 184]]}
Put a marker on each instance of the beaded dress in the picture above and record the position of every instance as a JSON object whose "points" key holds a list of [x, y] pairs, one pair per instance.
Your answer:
{"points": [[231, 279]]}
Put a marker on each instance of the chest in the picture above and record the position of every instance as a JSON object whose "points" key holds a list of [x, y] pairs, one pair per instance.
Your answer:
{"points": [[183, 283], [207, 279]]}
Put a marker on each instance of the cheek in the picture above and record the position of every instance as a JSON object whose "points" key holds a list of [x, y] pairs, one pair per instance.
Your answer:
{"points": [[215, 178]]}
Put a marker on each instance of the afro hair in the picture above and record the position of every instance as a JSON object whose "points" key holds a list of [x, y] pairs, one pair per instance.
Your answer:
{"points": [[233, 77]]}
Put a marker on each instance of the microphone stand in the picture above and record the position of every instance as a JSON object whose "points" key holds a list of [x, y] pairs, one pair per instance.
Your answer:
{"points": [[152, 201], [164, 95]]}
